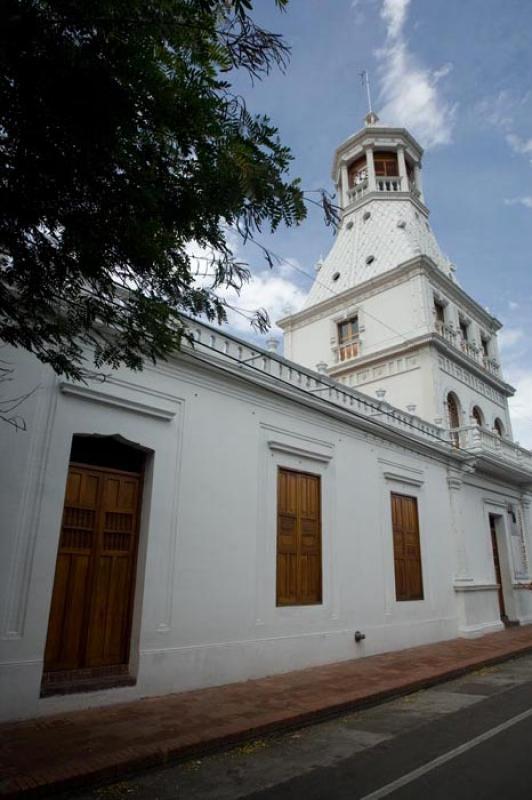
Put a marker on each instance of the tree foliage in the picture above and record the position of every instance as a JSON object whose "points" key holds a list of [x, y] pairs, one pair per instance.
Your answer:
{"points": [[122, 144]]}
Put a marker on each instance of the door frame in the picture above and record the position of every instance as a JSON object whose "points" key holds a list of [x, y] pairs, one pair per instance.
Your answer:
{"points": [[107, 676], [498, 513], [497, 564]]}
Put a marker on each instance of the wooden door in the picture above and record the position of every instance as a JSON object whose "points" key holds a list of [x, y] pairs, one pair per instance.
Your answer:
{"points": [[454, 418], [91, 601], [406, 548], [298, 539], [497, 565]]}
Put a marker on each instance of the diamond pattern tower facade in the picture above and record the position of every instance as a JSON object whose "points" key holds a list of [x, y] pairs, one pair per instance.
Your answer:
{"points": [[386, 314]]}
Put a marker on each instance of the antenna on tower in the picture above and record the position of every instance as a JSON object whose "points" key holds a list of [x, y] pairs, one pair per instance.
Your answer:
{"points": [[365, 82]]}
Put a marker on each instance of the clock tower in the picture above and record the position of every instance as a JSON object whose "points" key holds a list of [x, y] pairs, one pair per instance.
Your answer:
{"points": [[385, 313]]}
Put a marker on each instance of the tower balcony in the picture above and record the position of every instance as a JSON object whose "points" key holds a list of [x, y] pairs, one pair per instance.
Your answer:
{"points": [[470, 349], [480, 441], [386, 184]]}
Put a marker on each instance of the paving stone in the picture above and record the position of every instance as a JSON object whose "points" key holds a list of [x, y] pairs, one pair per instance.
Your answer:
{"points": [[133, 735]]}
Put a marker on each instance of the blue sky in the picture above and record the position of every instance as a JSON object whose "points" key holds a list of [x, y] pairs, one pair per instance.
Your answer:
{"points": [[458, 75]]}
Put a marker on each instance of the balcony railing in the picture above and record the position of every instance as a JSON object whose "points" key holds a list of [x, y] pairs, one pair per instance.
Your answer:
{"points": [[391, 184], [382, 184], [470, 349], [348, 350], [478, 440], [358, 190], [278, 371]]}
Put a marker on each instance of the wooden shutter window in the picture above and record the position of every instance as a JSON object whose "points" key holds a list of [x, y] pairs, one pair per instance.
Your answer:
{"points": [[386, 165], [298, 539], [406, 548], [348, 339]]}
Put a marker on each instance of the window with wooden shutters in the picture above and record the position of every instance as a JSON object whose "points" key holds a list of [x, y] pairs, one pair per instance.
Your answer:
{"points": [[386, 164], [357, 172], [298, 538], [348, 338], [406, 548]]}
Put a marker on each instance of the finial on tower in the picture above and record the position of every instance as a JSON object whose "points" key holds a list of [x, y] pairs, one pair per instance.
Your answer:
{"points": [[371, 118]]}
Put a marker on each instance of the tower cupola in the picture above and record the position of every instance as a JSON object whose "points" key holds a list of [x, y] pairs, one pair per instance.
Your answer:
{"points": [[384, 221], [378, 161]]}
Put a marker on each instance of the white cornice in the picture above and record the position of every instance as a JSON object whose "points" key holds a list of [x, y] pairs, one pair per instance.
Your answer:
{"points": [[354, 294], [373, 135], [460, 296], [419, 265], [286, 447], [368, 424], [390, 198], [106, 398], [416, 344], [464, 361]]}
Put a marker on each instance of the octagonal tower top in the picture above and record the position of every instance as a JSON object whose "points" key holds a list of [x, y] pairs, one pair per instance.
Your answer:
{"points": [[379, 161]]}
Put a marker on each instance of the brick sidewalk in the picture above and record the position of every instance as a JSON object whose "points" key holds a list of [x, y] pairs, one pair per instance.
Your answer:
{"points": [[72, 749]]}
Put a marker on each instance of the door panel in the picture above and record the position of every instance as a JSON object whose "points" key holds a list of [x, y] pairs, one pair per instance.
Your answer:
{"points": [[497, 565], [406, 547], [91, 601], [298, 539]]}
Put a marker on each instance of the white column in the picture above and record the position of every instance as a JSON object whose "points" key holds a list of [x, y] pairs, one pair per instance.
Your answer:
{"points": [[344, 185], [461, 568], [526, 530], [419, 181], [370, 164], [402, 169]]}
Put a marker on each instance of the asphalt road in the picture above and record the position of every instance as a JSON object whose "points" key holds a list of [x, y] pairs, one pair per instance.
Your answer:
{"points": [[468, 738], [477, 767]]}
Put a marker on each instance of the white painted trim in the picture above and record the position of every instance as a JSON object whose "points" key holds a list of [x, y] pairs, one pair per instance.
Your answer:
{"points": [[481, 628], [398, 478], [290, 455], [86, 393], [14, 619], [475, 587], [285, 447], [402, 473]]}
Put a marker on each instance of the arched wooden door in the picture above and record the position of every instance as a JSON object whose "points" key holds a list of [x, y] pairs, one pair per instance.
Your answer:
{"points": [[90, 615], [498, 427], [454, 417], [477, 416]]}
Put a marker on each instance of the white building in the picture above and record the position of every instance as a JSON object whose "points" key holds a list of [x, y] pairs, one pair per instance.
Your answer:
{"points": [[232, 513]]}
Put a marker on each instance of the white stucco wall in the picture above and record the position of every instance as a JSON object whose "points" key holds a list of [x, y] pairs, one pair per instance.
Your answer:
{"points": [[386, 319], [205, 608]]}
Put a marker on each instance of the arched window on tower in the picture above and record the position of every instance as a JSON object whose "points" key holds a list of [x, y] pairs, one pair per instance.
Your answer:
{"points": [[478, 416], [357, 172], [498, 427], [386, 164], [453, 412]]}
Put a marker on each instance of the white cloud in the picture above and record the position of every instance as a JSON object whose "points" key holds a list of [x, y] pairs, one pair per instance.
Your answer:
{"points": [[520, 408], [498, 110], [519, 145], [276, 293], [273, 290], [394, 13], [512, 305], [410, 90], [509, 337], [526, 201]]}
